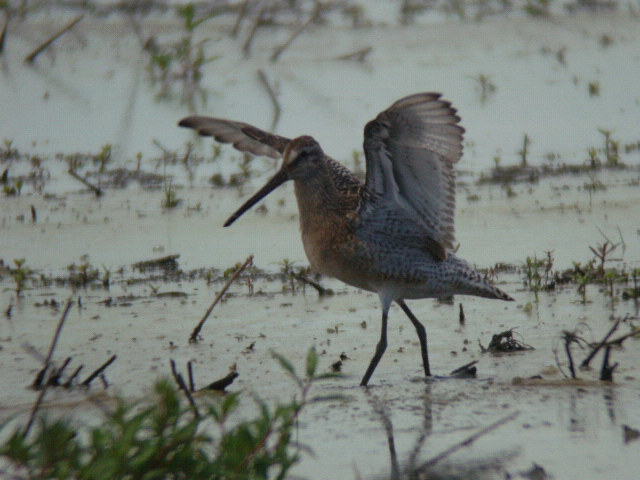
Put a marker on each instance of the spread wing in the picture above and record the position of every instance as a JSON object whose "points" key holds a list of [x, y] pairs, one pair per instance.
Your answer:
{"points": [[411, 149], [243, 136]]}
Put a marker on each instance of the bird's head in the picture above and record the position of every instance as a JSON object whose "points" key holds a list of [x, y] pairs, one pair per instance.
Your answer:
{"points": [[301, 159]]}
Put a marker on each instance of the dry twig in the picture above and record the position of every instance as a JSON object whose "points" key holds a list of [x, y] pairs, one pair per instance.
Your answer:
{"points": [[278, 51], [196, 331], [95, 189], [32, 56], [272, 96]]}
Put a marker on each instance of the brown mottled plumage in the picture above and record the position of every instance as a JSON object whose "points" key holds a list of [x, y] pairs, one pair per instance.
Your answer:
{"points": [[392, 234]]}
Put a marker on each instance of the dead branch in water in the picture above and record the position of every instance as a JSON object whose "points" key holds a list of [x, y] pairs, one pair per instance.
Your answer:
{"points": [[596, 349], [196, 331], [183, 386], [32, 56], [95, 189], [323, 292], [47, 362], [278, 51], [3, 35], [272, 96], [246, 48], [358, 55], [98, 371], [224, 382]]}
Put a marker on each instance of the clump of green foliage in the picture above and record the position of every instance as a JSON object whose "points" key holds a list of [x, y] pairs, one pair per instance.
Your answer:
{"points": [[20, 275], [180, 60], [168, 439]]}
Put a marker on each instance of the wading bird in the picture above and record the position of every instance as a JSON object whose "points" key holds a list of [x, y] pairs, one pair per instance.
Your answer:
{"points": [[392, 234]]}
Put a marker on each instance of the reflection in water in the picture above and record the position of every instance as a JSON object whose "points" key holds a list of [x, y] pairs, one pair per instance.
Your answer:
{"points": [[437, 466]]}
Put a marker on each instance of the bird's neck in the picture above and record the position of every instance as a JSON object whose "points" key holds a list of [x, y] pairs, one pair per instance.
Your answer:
{"points": [[319, 201]]}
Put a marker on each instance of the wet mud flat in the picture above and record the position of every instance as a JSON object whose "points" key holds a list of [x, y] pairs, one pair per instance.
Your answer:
{"points": [[553, 222]]}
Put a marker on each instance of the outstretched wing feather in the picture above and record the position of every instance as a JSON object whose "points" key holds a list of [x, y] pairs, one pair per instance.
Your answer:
{"points": [[411, 149], [242, 136]]}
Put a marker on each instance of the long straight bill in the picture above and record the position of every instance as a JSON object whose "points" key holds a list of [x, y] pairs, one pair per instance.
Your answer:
{"points": [[278, 179]]}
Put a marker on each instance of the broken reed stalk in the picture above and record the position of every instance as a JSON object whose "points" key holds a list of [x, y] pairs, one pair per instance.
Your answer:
{"points": [[272, 96], [241, 13], [47, 361], [568, 338], [3, 35], [468, 441], [319, 288], [183, 386], [54, 379], [278, 51], [224, 382], [585, 362], [192, 383], [606, 372], [246, 48], [618, 341], [69, 381], [98, 371], [196, 331], [358, 55], [95, 189], [32, 56], [63, 318]]}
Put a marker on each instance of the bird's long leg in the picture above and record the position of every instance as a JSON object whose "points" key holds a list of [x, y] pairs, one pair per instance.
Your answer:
{"points": [[382, 344], [422, 336]]}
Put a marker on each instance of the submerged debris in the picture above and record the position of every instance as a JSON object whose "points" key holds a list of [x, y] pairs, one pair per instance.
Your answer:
{"points": [[630, 434], [466, 371], [504, 342], [224, 382], [168, 263]]}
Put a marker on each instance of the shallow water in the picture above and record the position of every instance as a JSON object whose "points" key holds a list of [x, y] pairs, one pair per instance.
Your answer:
{"points": [[84, 96]]}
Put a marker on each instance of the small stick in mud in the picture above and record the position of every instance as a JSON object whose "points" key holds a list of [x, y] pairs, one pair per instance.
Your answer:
{"points": [[468, 441], [461, 317], [196, 331], [38, 402], [272, 96], [358, 55], [246, 48], [596, 349], [466, 371], [32, 56], [3, 35], [241, 13], [183, 386], [568, 339], [69, 381], [617, 342], [323, 292], [606, 373], [168, 262], [192, 383], [224, 382], [630, 434], [54, 378], [278, 51], [95, 189], [98, 371], [47, 362]]}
